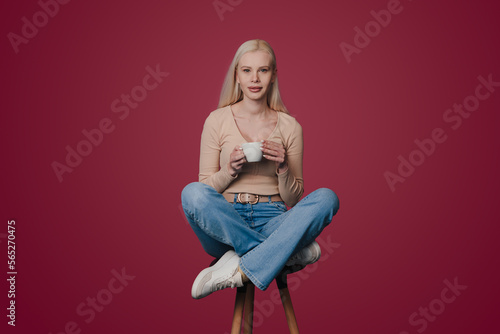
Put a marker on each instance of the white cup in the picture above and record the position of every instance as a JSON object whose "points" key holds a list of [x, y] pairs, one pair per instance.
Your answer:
{"points": [[252, 151]]}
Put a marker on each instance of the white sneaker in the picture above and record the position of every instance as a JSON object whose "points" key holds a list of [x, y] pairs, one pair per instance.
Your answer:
{"points": [[307, 255], [223, 274]]}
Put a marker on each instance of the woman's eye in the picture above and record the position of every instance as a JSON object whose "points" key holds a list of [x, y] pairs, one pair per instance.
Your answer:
{"points": [[246, 70], [264, 70]]}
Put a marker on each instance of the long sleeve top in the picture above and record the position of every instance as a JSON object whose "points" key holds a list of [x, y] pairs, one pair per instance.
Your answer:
{"points": [[219, 137]]}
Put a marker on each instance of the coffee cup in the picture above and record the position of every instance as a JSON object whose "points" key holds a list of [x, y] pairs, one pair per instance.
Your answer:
{"points": [[252, 151]]}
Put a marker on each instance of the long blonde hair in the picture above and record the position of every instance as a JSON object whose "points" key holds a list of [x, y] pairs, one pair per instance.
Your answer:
{"points": [[231, 91]]}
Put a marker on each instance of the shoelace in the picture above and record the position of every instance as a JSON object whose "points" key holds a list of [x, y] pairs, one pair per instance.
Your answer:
{"points": [[227, 281]]}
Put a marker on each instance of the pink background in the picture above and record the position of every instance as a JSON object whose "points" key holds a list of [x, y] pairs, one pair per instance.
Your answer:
{"points": [[120, 208]]}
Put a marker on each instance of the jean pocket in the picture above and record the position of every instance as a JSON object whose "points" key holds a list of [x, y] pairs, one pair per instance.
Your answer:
{"points": [[280, 205]]}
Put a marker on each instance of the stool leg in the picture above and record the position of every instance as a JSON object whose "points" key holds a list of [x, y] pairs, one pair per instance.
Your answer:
{"points": [[238, 310], [289, 313], [286, 300], [248, 313]]}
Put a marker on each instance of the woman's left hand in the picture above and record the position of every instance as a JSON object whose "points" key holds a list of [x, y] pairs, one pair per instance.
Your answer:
{"points": [[275, 152]]}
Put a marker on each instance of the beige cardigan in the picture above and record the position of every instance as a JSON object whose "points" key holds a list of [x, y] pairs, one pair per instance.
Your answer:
{"points": [[219, 137]]}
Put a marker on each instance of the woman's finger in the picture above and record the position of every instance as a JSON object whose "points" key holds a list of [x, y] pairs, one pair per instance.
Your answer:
{"points": [[274, 152], [240, 160], [238, 155], [272, 144], [273, 148], [273, 158]]}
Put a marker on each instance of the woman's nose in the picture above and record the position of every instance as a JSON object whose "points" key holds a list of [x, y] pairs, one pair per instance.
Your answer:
{"points": [[255, 77]]}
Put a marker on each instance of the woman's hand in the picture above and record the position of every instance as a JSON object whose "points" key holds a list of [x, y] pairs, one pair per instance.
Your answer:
{"points": [[275, 152], [236, 161]]}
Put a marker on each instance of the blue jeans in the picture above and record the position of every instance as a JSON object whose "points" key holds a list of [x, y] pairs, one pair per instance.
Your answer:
{"points": [[264, 235]]}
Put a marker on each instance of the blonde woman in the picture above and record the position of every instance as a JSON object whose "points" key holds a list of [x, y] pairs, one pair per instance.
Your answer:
{"points": [[238, 209]]}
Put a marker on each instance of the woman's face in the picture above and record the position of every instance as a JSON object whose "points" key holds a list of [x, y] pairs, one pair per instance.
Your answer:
{"points": [[255, 74]]}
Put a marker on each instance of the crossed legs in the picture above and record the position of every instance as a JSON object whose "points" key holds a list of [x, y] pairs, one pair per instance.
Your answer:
{"points": [[262, 253]]}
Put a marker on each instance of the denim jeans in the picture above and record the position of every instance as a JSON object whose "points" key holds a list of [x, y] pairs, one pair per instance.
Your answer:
{"points": [[264, 235]]}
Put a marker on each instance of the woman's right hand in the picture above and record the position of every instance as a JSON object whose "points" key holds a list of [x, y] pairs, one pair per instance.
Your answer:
{"points": [[236, 161]]}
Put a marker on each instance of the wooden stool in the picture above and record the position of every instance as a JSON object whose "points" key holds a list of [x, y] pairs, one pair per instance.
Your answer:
{"points": [[243, 307]]}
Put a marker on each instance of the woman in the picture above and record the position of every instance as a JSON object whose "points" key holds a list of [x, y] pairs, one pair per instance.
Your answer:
{"points": [[238, 209]]}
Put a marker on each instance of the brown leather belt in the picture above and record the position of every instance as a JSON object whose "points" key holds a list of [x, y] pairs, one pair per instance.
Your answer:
{"points": [[246, 198]]}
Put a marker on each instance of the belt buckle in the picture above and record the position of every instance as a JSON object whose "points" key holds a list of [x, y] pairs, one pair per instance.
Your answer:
{"points": [[248, 202]]}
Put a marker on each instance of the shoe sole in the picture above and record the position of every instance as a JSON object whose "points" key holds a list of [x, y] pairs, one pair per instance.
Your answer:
{"points": [[206, 274]]}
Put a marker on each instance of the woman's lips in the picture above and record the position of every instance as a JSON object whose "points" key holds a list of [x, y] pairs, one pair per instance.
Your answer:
{"points": [[254, 89]]}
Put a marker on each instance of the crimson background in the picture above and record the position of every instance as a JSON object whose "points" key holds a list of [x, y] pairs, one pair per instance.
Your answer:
{"points": [[120, 207]]}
